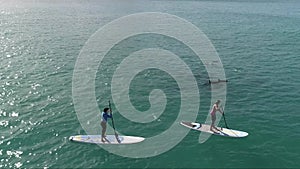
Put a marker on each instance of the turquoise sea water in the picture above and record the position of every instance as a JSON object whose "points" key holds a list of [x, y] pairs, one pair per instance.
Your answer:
{"points": [[258, 43]]}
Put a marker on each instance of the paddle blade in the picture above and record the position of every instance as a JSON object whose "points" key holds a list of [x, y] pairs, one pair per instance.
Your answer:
{"points": [[117, 138]]}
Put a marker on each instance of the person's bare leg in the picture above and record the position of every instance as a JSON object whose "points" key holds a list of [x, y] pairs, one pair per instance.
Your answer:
{"points": [[103, 132], [212, 125]]}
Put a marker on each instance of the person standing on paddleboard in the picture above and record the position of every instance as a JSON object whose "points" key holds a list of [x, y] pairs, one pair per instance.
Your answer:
{"points": [[104, 117], [213, 111]]}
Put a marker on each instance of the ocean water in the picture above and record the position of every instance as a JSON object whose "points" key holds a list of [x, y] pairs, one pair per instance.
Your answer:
{"points": [[258, 43]]}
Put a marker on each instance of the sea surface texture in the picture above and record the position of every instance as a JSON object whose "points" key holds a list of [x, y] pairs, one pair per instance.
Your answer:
{"points": [[258, 43]]}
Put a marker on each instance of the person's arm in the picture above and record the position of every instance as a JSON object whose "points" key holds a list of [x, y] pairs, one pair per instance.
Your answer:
{"points": [[106, 116], [221, 111], [109, 115]]}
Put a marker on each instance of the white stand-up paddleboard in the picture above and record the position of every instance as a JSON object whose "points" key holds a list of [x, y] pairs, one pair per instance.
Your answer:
{"points": [[109, 139], [222, 131]]}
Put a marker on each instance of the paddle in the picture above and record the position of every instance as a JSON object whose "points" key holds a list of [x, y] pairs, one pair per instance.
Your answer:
{"points": [[223, 114], [113, 124]]}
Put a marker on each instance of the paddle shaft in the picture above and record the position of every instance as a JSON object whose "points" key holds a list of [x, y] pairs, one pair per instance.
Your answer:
{"points": [[113, 124], [225, 120], [112, 119], [223, 114]]}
